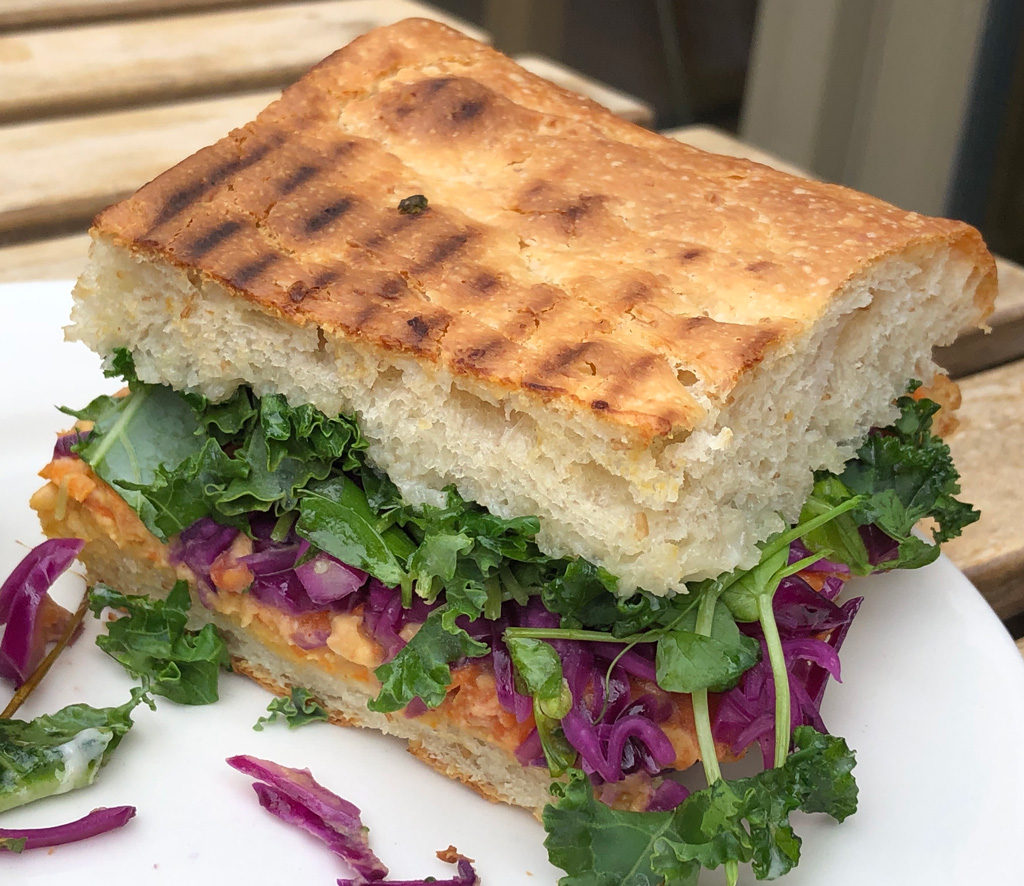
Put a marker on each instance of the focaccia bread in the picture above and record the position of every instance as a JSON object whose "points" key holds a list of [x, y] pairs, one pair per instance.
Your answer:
{"points": [[649, 347]]}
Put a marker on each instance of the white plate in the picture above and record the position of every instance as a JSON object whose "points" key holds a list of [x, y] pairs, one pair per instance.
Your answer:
{"points": [[933, 703]]}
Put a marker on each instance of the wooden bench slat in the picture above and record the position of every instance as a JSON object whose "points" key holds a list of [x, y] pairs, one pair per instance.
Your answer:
{"points": [[33, 13], [55, 258], [988, 451], [129, 63], [62, 171]]}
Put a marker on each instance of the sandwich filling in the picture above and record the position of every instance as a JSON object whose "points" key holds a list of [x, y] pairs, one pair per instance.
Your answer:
{"points": [[453, 615]]}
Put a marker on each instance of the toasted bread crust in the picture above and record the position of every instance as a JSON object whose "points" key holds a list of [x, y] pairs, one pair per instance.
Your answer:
{"points": [[565, 254]]}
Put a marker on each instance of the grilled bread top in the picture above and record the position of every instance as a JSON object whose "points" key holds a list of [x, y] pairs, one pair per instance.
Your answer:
{"points": [[564, 253]]}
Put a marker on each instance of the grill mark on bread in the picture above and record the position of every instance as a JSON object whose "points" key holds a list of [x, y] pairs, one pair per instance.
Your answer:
{"points": [[574, 212], [209, 240], [298, 178], [425, 331], [469, 109], [307, 171], [184, 197], [541, 388], [442, 250], [324, 277], [565, 356], [362, 319], [566, 211], [484, 282], [418, 326], [436, 84], [444, 107], [300, 289], [251, 270], [626, 382], [327, 214], [392, 288], [477, 356], [393, 225], [459, 99]]}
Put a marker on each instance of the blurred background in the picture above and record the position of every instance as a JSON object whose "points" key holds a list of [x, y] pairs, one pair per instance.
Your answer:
{"points": [[920, 102]]}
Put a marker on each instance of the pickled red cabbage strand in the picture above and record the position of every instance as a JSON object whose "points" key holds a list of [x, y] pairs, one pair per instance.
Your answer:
{"points": [[33, 620], [99, 821]]}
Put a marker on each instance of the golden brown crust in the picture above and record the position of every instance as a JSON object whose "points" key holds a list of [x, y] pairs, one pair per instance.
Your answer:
{"points": [[565, 254]]}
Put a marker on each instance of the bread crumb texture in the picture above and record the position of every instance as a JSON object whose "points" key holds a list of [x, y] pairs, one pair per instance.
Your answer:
{"points": [[645, 345]]}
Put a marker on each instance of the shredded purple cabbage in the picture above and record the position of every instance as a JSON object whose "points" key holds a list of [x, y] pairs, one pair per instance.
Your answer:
{"points": [[33, 620], [294, 796], [880, 547], [667, 796], [614, 732], [327, 580], [532, 615], [99, 821], [284, 578], [812, 628], [197, 547], [62, 448]]}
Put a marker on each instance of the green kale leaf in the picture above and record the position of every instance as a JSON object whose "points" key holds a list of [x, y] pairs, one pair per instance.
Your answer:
{"points": [[479, 559], [153, 644], [136, 436], [298, 708], [421, 668], [176, 497], [905, 474], [745, 820], [225, 420], [686, 661], [335, 516], [539, 671], [59, 752], [177, 457]]}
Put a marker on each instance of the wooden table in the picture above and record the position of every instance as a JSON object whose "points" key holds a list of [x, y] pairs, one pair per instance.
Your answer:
{"points": [[101, 95]]}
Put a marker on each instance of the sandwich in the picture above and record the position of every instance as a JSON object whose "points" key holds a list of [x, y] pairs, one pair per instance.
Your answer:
{"points": [[532, 437]]}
